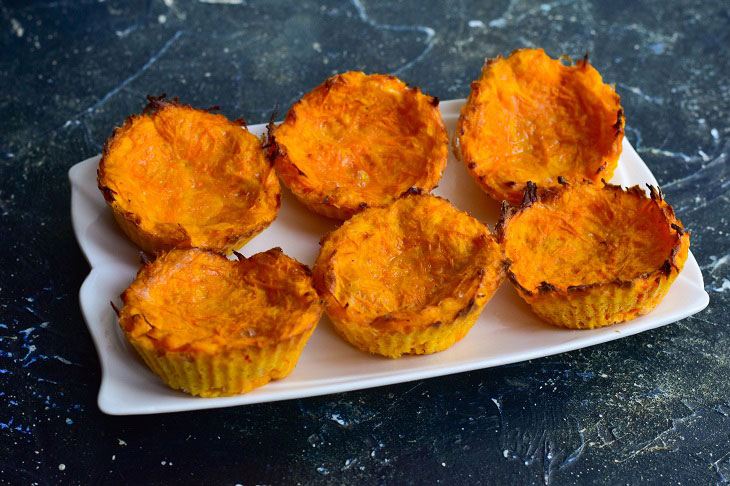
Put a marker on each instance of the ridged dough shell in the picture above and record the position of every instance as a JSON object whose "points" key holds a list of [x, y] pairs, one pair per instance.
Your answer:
{"points": [[359, 141], [210, 326], [411, 277], [532, 118], [587, 256], [178, 177]]}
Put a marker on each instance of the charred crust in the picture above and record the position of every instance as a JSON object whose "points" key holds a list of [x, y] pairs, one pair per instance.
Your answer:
{"points": [[305, 268], [218, 108], [510, 183], [299, 171], [678, 229], [413, 191], [466, 309], [576, 288], [562, 181], [619, 119], [435, 101], [153, 103], [494, 60], [240, 121], [506, 264], [472, 165], [546, 287], [601, 168], [666, 267], [585, 60], [530, 196], [326, 200], [655, 193], [504, 210], [513, 279], [116, 309], [108, 194], [363, 205], [506, 213], [144, 258], [238, 256], [270, 142], [156, 103], [673, 257]]}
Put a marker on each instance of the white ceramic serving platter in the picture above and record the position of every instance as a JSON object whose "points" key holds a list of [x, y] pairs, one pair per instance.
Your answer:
{"points": [[506, 332]]}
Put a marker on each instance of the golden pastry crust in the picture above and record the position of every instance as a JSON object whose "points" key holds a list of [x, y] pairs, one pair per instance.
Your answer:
{"points": [[586, 256], [531, 118], [212, 326], [180, 177], [411, 277], [359, 141]]}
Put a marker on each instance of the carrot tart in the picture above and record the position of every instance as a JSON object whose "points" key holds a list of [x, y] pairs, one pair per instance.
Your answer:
{"points": [[176, 176], [359, 141], [411, 277], [587, 256], [211, 327], [532, 118]]}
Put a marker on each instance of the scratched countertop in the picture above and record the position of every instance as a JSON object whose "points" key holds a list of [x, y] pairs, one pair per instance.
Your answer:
{"points": [[653, 407]]}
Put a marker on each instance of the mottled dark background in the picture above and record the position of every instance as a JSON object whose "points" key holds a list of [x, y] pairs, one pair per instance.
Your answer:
{"points": [[649, 408]]}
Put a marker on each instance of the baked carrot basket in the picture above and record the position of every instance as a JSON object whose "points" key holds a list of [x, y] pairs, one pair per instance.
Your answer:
{"points": [[408, 278], [359, 141], [585, 256], [176, 176], [211, 326], [532, 118]]}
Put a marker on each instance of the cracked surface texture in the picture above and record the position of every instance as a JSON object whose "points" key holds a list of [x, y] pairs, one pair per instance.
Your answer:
{"points": [[651, 408]]}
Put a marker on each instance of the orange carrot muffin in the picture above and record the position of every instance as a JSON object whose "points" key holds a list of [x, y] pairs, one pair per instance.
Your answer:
{"points": [[532, 118], [211, 327], [176, 176], [586, 256], [411, 277], [359, 141]]}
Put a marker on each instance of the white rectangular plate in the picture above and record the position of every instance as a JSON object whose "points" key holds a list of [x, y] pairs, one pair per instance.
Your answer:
{"points": [[506, 332]]}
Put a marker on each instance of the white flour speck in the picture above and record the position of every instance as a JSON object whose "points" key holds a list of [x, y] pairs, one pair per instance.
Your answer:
{"points": [[338, 418], [719, 262], [17, 28], [725, 286], [474, 24]]}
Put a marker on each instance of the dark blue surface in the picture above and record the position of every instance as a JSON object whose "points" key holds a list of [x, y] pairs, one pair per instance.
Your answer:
{"points": [[649, 408]]}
